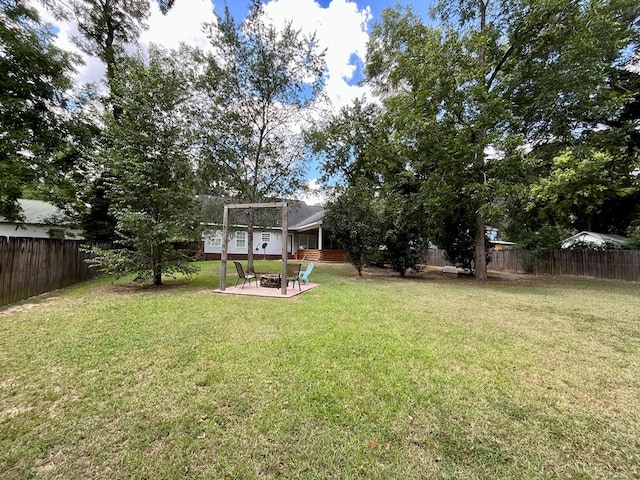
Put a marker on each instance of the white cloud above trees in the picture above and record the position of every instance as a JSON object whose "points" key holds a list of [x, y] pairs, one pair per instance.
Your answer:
{"points": [[341, 29]]}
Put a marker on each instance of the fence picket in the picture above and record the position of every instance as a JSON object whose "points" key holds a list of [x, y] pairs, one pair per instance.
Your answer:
{"points": [[31, 266], [606, 264]]}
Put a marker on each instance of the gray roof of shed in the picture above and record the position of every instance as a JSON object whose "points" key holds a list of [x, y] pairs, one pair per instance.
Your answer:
{"points": [[605, 237]]}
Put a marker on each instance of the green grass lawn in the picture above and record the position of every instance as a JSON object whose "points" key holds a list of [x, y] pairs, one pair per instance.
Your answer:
{"points": [[361, 378]]}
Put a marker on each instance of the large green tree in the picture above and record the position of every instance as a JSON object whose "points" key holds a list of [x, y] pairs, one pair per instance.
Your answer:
{"points": [[585, 191], [403, 244], [260, 86], [149, 148], [389, 226], [355, 219], [590, 182], [34, 77], [106, 28], [494, 74]]}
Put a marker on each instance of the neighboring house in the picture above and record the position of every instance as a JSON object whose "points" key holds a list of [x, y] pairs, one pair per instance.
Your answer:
{"points": [[308, 237], [595, 239], [41, 220], [494, 240]]}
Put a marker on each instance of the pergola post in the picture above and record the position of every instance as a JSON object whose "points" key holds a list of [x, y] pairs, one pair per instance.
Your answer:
{"points": [[225, 239], [225, 247], [285, 250]]}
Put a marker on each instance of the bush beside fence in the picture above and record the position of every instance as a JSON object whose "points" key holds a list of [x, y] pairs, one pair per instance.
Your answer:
{"points": [[606, 264], [31, 266]]}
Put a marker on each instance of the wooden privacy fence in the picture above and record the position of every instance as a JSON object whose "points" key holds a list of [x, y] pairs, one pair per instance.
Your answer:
{"points": [[608, 264], [31, 266]]}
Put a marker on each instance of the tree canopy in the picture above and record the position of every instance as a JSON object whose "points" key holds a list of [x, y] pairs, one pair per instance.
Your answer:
{"points": [[34, 78], [469, 98], [259, 89], [150, 152], [517, 113]]}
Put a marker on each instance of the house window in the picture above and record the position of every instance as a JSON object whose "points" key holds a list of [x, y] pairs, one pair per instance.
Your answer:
{"points": [[266, 237], [308, 242], [216, 240], [241, 239]]}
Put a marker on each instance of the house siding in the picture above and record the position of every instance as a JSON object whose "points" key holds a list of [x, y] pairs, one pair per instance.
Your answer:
{"points": [[12, 230], [41, 220], [235, 252]]}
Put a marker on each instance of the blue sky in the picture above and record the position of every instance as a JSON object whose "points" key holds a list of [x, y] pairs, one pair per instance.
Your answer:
{"points": [[239, 7], [342, 27]]}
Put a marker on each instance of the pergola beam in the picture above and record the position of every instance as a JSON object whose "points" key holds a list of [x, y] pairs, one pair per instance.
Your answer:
{"points": [[285, 239]]}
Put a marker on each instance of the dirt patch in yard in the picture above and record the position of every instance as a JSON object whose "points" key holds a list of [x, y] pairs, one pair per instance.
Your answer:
{"points": [[434, 274], [34, 302], [142, 288]]}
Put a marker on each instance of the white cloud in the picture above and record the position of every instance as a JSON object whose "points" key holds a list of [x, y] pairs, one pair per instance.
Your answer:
{"points": [[341, 29], [93, 70], [182, 24], [315, 193]]}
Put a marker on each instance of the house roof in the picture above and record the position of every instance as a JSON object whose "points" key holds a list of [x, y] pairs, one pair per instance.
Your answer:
{"points": [[308, 216], [300, 215], [37, 212], [595, 237]]}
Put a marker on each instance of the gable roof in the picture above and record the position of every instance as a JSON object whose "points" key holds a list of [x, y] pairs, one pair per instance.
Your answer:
{"points": [[594, 237], [37, 212], [300, 215]]}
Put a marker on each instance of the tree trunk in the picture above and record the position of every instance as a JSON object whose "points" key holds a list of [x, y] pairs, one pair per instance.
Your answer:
{"points": [[480, 257], [157, 266]]}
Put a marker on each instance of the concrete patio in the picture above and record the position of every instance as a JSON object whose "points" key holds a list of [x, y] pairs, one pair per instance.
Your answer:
{"points": [[252, 290]]}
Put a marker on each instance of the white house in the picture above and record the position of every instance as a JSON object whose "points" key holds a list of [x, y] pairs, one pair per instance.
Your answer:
{"points": [[594, 238], [308, 237], [41, 220]]}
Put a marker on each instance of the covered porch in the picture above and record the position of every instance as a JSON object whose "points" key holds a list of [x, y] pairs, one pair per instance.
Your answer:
{"points": [[313, 242]]}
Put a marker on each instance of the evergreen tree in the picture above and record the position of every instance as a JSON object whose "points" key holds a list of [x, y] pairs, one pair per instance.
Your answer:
{"points": [[150, 151]]}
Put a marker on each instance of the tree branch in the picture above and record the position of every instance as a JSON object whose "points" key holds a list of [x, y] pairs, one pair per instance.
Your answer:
{"points": [[502, 61]]}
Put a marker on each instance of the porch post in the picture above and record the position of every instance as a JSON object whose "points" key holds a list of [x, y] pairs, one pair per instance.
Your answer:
{"points": [[320, 237]]}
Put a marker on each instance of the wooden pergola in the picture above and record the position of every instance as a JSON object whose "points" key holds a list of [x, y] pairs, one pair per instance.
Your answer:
{"points": [[225, 239]]}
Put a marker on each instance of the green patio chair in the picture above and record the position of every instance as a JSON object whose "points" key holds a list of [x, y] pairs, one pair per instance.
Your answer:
{"points": [[304, 276]]}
